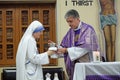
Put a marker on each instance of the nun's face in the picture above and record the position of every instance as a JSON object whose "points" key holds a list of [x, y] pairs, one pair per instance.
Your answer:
{"points": [[37, 34]]}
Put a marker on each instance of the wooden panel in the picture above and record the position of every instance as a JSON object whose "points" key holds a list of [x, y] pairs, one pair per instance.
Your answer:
{"points": [[10, 36], [23, 20], [2, 46], [14, 20], [7, 33], [1, 34]]}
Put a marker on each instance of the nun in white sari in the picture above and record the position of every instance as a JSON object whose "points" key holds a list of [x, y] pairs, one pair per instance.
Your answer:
{"points": [[28, 61]]}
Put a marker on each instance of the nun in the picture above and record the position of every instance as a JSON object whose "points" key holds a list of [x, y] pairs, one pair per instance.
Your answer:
{"points": [[28, 61]]}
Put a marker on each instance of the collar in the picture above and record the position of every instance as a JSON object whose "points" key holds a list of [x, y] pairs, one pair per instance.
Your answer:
{"points": [[79, 26]]}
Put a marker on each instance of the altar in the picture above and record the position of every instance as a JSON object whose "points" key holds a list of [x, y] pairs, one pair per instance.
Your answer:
{"points": [[97, 71]]}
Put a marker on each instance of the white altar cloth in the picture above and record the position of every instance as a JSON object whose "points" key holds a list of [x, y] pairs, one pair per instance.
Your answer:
{"points": [[82, 70]]}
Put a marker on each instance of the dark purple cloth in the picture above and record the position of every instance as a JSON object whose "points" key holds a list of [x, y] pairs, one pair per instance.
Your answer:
{"points": [[103, 77], [86, 39]]}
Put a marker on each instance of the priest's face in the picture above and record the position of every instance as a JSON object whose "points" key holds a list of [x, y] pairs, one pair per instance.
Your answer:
{"points": [[73, 22]]}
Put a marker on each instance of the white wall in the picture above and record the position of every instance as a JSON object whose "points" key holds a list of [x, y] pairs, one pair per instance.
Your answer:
{"points": [[118, 32]]}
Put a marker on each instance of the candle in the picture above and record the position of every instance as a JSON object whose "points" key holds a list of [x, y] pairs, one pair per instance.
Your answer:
{"points": [[96, 56]]}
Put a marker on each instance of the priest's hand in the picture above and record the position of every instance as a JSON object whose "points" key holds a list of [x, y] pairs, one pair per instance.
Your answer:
{"points": [[62, 50]]}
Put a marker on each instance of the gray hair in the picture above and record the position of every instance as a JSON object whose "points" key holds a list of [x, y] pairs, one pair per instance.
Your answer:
{"points": [[72, 13]]}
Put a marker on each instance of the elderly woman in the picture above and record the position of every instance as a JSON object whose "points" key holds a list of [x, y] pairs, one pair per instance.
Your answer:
{"points": [[28, 61]]}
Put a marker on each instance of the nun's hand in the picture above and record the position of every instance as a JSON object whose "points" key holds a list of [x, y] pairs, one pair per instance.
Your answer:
{"points": [[50, 52]]}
